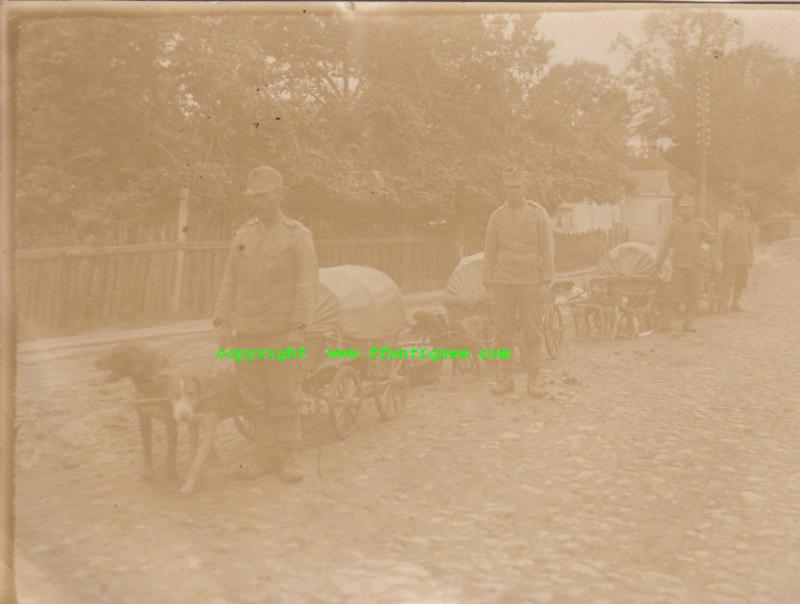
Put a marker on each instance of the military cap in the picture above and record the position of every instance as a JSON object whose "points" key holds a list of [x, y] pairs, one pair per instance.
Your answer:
{"points": [[687, 201], [513, 177], [263, 180]]}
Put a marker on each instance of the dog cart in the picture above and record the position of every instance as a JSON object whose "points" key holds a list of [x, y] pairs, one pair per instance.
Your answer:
{"points": [[626, 292], [468, 298], [359, 311]]}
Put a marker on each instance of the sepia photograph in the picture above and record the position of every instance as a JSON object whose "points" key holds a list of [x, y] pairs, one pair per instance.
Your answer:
{"points": [[399, 302]]}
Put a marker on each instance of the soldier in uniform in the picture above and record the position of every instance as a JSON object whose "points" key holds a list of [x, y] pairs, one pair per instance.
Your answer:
{"points": [[518, 269], [737, 249], [685, 237], [265, 301]]}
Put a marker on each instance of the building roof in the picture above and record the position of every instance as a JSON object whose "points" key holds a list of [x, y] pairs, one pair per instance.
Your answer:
{"points": [[654, 183], [680, 181]]}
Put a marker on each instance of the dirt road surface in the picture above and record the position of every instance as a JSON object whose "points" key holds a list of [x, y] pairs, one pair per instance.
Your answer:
{"points": [[666, 469]]}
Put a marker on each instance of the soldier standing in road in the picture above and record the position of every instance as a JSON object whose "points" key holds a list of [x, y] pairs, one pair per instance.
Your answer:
{"points": [[686, 237], [265, 301], [737, 250], [518, 269]]}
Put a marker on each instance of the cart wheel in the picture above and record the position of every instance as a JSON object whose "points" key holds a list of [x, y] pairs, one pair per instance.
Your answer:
{"points": [[553, 332], [344, 401], [391, 394], [245, 426]]}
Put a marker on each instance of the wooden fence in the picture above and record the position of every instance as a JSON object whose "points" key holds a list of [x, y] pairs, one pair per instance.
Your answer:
{"points": [[66, 290]]}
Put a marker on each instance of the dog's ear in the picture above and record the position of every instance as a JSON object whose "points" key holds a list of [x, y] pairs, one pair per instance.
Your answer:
{"points": [[148, 361], [135, 360]]}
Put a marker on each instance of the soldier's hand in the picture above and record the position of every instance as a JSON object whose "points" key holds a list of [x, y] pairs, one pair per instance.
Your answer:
{"points": [[224, 335]]}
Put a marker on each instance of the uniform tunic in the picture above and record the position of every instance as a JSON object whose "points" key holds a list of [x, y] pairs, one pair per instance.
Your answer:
{"points": [[737, 243], [686, 238], [270, 279], [519, 246], [268, 289], [518, 258]]}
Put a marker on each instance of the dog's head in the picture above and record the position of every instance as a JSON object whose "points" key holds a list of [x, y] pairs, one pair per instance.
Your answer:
{"points": [[184, 393], [429, 323], [133, 360]]}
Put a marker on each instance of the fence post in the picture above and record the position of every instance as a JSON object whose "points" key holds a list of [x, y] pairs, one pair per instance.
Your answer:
{"points": [[180, 256]]}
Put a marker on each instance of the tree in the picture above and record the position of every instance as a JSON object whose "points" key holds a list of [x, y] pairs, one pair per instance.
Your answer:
{"points": [[754, 143]]}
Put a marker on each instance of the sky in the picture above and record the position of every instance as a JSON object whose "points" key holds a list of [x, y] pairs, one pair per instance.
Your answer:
{"points": [[589, 34]]}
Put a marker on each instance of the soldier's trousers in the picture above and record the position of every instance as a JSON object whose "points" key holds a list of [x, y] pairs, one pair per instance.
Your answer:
{"points": [[269, 389], [734, 278], [519, 305], [685, 287]]}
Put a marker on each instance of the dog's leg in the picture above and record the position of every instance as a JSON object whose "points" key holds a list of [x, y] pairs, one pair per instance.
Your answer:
{"points": [[614, 321], [209, 422], [193, 429], [171, 465], [453, 369], [146, 432]]}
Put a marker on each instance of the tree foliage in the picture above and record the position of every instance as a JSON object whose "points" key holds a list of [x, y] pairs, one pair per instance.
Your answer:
{"points": [[753, 95], [378, 123], [399, 122]]}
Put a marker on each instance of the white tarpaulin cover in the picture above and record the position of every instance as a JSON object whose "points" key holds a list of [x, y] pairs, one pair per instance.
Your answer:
{"points": [[358, 302], [466, 280], [630, 259]]}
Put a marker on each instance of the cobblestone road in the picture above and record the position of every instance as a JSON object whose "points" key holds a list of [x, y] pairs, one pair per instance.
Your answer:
{"points": [[666, 470]]}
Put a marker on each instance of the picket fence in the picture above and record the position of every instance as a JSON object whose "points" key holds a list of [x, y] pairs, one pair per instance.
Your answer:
{"points": [[69, 290]]}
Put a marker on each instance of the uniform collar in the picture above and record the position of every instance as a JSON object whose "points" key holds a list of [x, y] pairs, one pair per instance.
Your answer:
{"points": [[281, 219], [522, 205]]}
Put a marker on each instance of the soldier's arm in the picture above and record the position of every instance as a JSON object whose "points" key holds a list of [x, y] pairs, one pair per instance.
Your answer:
{"points": [[724, 236], [227, 288], [666, 244], [307, 280], [548, 252], [490, 251]]}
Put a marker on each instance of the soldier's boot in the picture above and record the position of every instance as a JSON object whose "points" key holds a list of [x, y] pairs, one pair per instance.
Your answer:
{"points": [[504, 386], [534, 389], [290, 467]]}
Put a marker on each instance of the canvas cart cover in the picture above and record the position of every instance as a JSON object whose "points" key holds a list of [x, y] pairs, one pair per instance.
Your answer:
{"points": [[358, 302], [466, 280], [630, 259]]}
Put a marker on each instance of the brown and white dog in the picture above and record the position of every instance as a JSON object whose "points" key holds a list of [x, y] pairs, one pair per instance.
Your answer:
{"points": [[146, 368], [202, 402], [456, 335]]}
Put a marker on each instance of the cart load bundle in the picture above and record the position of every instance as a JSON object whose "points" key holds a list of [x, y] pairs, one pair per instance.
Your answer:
{"points": [[466, 280], [630, 259], [628, 287], [358, 302], [466, 295]]}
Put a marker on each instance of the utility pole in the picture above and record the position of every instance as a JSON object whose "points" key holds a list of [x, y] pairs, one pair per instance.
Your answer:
{"points": [[703, 137]]}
